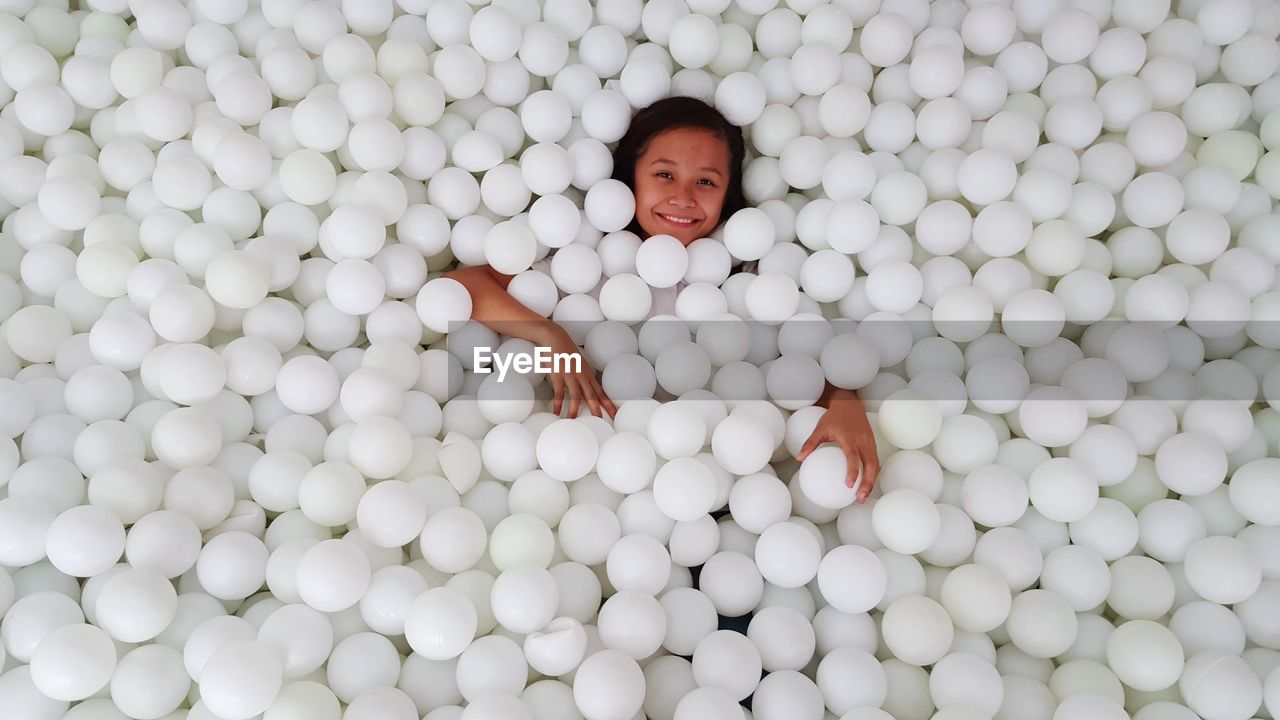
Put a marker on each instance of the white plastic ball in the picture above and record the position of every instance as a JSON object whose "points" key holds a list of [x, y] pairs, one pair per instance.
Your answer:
{"points": [[788, 555], [440, 624], [608, 686], [73, 662], [1218, 686], [906, 521], [917, 630], [1145, 655]]}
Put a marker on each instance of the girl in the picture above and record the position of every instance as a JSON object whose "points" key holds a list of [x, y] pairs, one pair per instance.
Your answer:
{"points": [[683, 161]]}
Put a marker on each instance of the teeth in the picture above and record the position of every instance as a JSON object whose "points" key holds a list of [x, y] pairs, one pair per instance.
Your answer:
{"points": [[678, 220]]}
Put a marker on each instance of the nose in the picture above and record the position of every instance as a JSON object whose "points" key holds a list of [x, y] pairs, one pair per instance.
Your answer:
{"points": [[682, 197]]}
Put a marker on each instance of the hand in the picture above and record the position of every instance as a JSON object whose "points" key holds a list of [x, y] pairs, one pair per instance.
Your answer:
{"points": [[580, 385], [845, 424]]}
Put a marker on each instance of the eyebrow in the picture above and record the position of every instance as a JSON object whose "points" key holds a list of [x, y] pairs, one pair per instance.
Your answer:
{"points": [[664, 161]]}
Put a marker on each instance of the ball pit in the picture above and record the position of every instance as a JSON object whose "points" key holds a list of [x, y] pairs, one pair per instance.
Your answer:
{"points": [[249, 468]]}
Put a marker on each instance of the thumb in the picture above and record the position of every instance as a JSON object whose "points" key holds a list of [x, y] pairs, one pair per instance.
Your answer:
{"points": [[815, 439]]}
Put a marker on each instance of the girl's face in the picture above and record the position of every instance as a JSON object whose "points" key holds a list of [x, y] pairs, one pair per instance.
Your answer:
{"points": [[680, 184]]}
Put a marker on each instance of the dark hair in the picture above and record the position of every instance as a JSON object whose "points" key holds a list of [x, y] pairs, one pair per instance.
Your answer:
{"points": [[681, 112]]}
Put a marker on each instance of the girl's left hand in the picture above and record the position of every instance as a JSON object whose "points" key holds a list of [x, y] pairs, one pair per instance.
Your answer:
{"points": [[846, 424]]}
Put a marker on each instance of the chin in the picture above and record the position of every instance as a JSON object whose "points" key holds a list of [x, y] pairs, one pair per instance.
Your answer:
{"points": [[684, 237], [689, 236]]}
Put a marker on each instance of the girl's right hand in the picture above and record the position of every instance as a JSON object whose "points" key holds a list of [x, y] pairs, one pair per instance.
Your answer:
{"points": [[579, 386]]}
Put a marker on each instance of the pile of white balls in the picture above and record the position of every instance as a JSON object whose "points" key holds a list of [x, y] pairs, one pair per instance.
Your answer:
{"points": [[235, 484]]}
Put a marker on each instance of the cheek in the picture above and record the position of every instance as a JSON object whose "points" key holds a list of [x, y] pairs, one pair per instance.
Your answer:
{"points": [[644, 198], [715, 204]]}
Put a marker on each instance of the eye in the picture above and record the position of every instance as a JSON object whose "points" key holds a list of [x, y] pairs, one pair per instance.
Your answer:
{"points": [[709, 182], [663, 173]]}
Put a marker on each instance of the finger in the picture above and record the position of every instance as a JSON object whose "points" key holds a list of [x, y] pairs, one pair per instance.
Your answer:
{"points": [[869, 475], [593, 402], [810, 444], [816, 438], [575, 399], [855, 468], [605, 402], [557, 385], [569, 394]]}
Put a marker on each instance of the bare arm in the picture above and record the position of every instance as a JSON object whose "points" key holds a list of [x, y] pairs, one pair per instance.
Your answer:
{"points": [[493, 307], [831, 392]]}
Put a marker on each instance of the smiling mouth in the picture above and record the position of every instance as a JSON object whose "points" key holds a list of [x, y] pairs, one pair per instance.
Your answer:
{"points": [[676, 220]]}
